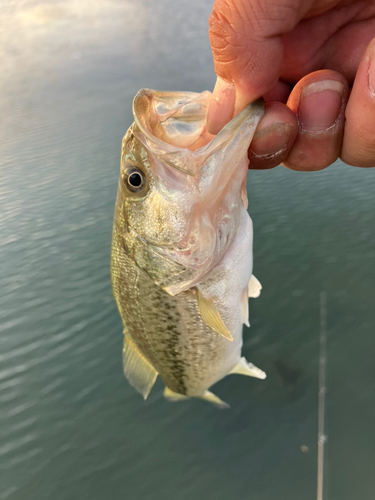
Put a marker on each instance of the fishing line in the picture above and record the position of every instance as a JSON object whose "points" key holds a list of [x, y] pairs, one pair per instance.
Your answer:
{"points": [[322, 393]]}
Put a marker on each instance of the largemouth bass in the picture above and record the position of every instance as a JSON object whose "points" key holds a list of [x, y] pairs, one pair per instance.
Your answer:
{"points": [[181, 262]]}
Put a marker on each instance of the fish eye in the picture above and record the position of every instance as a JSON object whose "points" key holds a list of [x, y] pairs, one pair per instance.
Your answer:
{"points": [[134, 179]]}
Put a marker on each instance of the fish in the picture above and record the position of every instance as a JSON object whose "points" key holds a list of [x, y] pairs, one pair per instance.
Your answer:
{"points": [[181, 258]]}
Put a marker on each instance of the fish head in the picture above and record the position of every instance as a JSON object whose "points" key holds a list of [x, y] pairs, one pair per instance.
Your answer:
{"points": [[181, 188]]}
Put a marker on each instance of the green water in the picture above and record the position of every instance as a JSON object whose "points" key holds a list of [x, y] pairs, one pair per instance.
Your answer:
{"points": [[70, 425]]}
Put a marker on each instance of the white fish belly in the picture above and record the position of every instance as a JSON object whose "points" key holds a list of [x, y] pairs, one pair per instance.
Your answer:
{"points": [[228, 284]]}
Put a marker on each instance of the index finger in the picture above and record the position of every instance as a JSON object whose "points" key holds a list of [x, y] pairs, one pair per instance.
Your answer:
{"points": [[247, 48]]}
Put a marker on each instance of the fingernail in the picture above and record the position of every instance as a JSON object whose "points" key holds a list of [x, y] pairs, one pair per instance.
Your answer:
{"points": [[320, 105], [221, 107], [371, 73], [271, 140]]}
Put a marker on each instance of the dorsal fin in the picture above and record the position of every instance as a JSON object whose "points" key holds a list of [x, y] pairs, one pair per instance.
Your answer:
{"points": [[140, 373], [254, 287], [243, 367], [211, 316]]}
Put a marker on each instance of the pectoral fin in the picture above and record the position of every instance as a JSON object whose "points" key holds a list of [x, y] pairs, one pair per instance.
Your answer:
{"points": [[254, 287], [211, 316], [140, 373], [243, 367]]}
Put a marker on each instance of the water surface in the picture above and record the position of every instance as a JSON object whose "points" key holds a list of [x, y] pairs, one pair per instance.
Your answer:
{"points": [[70, 425]]}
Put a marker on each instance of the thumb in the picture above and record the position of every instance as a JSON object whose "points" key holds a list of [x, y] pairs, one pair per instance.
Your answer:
{"points": [[247, 48]]}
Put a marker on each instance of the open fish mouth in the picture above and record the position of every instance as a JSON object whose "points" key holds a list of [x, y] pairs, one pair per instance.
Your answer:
{"points": [[172, 126], [176, 118]]}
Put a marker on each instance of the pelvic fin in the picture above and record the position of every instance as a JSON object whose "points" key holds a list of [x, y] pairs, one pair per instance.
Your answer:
{"points": [[140, 373]]}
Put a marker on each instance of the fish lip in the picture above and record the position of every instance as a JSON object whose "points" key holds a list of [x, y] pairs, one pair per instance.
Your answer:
{"points": [[185, 160]]}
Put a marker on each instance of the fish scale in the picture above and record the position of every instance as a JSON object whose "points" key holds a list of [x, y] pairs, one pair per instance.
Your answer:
{"points": [[181, 263]]}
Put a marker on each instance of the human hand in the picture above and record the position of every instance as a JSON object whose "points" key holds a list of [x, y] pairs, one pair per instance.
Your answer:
{"points": [[305, 53]]}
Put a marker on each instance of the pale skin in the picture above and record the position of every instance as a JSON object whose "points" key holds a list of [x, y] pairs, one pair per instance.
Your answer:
{"points": [[314, 63]]}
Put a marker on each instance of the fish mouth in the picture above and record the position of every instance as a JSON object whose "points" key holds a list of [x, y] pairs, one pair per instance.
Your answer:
{"points": [[172, 126], [175, 118]]}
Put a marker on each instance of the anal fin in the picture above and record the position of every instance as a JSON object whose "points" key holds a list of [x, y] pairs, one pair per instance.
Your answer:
{"points": [[254, 287], [140, 373], [207, 396], [211, 316], [243, 367]]}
